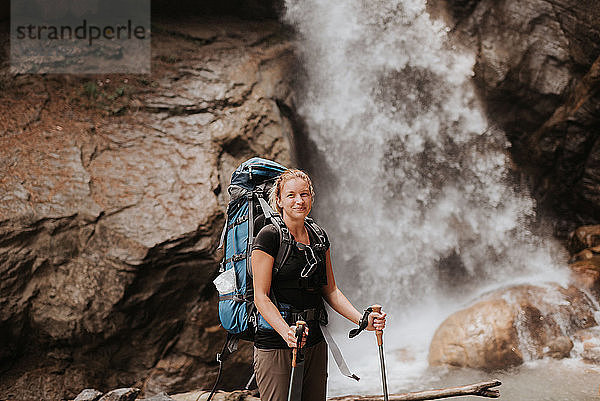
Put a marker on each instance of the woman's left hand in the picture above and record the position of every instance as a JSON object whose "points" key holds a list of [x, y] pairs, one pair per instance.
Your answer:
{"points": [[376, 321]]}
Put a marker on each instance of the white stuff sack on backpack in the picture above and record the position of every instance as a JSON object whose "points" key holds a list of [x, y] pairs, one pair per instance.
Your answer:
{"points": [[225, 282]]}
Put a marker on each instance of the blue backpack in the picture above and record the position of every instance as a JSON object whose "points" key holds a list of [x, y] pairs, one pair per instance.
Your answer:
{"points": [[249, 191]]}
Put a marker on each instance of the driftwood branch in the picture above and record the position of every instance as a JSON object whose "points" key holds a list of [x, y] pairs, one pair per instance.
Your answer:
{"points": [[483, 389]]}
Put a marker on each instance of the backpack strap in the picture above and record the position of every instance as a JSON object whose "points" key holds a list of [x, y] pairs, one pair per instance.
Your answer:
{"points": [[286, 241], [318, 232], [223, 232], [250, 232], [223, 245], [268, 212], [337, 354], [318, 314], [230, 346]]}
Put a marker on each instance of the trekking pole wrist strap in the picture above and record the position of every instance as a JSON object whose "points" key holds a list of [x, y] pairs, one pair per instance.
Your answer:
{"points": [[362, 324]]}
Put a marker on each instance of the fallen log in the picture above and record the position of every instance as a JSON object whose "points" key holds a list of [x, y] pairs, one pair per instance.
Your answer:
{"points": [[482, 389]]}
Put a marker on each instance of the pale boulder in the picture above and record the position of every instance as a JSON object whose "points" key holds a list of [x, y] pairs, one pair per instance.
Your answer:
{"points": [[512, 325]]}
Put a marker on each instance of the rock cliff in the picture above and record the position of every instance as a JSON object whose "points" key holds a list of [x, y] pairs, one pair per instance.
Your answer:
{"points": [[113, 190], [538, 72]]}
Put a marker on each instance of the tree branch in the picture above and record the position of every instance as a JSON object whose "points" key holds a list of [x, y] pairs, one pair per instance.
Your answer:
{"points": [[482, 389]]}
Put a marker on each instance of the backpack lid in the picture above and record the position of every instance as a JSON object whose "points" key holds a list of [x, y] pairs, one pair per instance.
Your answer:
{"points": [[254, 172]]}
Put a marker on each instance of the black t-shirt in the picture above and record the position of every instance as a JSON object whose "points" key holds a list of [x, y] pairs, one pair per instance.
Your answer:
{"points": [[284, 288]]}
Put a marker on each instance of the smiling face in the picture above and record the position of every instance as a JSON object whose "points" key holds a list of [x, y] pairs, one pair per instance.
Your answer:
{"points": [[295, 199]]}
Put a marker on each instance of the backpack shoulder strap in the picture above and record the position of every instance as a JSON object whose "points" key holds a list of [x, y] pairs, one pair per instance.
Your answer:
{"points": [[317, 231], [286, 241]]}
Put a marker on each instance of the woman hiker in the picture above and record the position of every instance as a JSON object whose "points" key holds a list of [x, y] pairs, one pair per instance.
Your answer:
{"points": [[297, 288]]}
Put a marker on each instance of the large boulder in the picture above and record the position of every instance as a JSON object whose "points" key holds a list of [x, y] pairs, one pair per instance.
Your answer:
{"points": [[112, 196], [512, 325]]}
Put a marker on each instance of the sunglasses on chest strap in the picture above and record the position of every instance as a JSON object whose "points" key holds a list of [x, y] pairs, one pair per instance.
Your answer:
{"points": [[311, 259]]}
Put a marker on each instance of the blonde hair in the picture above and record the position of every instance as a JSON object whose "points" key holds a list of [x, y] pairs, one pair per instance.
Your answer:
{"points": [[275, 192]]}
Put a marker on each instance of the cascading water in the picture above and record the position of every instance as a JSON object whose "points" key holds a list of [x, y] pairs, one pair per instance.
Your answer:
{"points": [[421, 181], [418, 198]]}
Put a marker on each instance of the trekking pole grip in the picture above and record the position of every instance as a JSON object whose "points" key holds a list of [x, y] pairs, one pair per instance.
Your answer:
{"points": [[300, 326], [378, 333]]}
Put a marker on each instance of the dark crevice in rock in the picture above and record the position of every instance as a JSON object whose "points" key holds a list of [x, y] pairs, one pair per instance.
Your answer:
{"points": [[304, 149], [247, 9], [237, 147], [178, 34], [181, 110], [207, 293], [286, 34], [305, 152], [462, 9], [93, 225], [45, 94], [208, 107]]}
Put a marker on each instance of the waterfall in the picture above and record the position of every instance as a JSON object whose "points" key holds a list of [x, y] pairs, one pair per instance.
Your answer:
{"points": [[419, 199]]}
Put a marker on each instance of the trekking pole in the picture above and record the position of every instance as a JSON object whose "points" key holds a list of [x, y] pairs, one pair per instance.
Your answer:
{"points": [[379, 334], [250, 381], [295, 391]]}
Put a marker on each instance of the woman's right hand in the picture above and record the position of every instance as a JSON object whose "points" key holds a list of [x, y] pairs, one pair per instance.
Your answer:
{"points": [[291, 337]]}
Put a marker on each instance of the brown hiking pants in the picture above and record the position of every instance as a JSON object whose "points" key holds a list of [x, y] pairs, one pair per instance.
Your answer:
{"points": [[273, 368]]}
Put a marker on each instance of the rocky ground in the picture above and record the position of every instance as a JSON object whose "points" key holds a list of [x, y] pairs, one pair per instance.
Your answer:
{"points": [[131, 394]]}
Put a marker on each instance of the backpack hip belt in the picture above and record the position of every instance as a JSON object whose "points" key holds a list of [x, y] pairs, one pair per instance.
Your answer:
{"points": [[309, 315]]}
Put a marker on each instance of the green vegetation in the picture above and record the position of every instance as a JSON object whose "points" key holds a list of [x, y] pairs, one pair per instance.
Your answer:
{"points": [[91, 90], [112, 97]]}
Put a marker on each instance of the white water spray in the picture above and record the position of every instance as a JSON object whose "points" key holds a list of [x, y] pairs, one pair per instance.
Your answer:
{"points": [[419, 204]]}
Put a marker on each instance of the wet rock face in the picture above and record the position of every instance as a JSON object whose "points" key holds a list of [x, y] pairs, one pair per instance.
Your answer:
{"points": [[588, 344], [113, 191], [510, 326], [559, 348], [583, 238], [584, 248], [539, 76]]}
